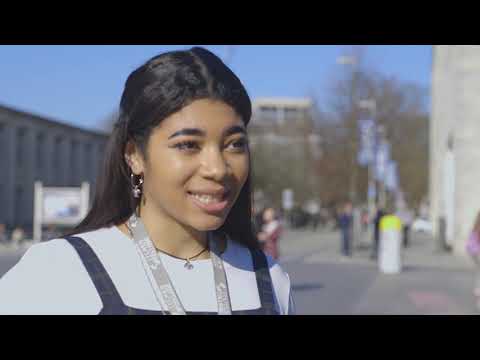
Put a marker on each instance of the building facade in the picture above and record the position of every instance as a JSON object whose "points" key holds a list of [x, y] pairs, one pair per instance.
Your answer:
{"points": [[33, 148], [281, 111], [281, 120], [454, 142], [285, 145]]}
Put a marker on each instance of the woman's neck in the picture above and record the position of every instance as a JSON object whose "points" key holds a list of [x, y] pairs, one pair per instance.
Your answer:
{"points": [[172, 237]]}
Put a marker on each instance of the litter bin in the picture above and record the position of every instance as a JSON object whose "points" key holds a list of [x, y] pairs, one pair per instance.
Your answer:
{"points": [[389, 260]]}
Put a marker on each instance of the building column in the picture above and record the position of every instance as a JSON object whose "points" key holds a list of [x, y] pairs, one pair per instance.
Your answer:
{"points": [[466, 144], [9, 156], [441, 118], [30, 170]]}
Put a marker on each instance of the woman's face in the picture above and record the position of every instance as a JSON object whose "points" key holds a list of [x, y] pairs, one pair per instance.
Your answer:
{"points": [[269, 215], [197, 163]]}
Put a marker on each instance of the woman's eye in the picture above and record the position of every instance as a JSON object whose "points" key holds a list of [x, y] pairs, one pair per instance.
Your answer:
{"points": [[187, 145], [238, 145]]}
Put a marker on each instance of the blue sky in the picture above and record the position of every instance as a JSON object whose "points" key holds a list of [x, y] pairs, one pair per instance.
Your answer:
{"points": [[81, 85]]}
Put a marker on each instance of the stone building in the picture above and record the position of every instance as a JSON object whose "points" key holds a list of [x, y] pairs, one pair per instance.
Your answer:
{"points": [[455, 142], [33, 148]]}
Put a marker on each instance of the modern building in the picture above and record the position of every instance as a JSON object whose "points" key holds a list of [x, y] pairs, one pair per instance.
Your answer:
{"points": [[280, 110], [34, 148], [285, 146], [281, 120], [454, 142]]}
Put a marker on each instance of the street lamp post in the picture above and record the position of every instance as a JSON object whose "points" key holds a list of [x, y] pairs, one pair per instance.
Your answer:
{"points": [[371, 105], [350, 60], [382, 193]]}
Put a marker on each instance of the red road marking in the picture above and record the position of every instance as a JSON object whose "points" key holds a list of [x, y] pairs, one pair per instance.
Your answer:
{"points": [[430, 300]]}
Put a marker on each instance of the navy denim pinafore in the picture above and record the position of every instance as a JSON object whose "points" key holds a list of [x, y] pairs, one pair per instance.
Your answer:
{"points": [[114, 305]]}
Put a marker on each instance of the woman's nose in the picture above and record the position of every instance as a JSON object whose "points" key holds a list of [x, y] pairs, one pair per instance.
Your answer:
{"points": [[215, 165]]}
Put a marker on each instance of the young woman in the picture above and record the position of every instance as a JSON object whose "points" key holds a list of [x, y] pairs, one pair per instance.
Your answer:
{"points": [[170, 228], [270, 234]]}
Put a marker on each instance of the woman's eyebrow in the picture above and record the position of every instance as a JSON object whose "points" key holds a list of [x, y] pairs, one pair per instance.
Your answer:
{"points": [[187, 131], [234, 130]]}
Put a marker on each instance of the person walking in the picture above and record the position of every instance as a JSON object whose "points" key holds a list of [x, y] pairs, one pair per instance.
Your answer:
{"points": [[345, 222], [270, 234], [18, 236], [313, 210], [406, 217], [376, 232]]}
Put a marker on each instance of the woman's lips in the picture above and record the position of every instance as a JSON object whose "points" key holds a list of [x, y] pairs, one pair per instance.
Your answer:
{"points": [[213, 206]]}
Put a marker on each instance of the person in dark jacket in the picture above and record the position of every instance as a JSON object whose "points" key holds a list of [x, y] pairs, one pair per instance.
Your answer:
{"points": [[345, 222], [376, 233]]}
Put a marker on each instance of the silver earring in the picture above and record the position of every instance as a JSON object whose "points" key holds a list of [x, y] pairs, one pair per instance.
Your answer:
{"points": [[136, 188]]}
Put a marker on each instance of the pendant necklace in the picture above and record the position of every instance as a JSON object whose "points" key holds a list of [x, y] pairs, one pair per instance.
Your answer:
{"points": [[188, 265]]}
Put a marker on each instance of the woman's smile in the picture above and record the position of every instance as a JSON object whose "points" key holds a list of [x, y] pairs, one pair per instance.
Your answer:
{"points": [[213, 202]]}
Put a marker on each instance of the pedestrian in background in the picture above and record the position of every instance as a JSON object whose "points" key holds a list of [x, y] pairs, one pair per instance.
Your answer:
{"points": [[406, 217], [345, 222], [270, 234], [473, 249], [376, 231], [18, 235], [365, 220], [313, 210]]}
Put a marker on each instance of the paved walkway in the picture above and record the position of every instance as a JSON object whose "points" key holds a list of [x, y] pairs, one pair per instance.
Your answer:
{"points": [[326, 283]]}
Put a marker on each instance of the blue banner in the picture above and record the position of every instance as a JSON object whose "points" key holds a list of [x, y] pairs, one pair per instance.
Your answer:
{"points": [[382, 159], [391, 176], [366, 150]]}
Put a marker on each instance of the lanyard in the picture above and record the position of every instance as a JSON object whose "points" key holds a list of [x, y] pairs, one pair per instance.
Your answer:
{"points": [[162, 285]]}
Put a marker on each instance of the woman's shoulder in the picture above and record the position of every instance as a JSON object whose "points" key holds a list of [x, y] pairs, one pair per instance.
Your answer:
{"points": [[278, 273], [47, 257], [240, 256], [240, 253], [51, 273], [48, 252], [103, 235]]}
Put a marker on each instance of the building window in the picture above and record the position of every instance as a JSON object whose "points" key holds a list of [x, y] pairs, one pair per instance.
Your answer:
{"points": [[18, 205], [87, 165], [39, 153], [292, 113], [57, 148], [74, 162], [20, 148], [268, 112]]}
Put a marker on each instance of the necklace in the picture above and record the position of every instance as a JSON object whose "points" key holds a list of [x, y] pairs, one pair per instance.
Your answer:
{"points": [[188, 265], [158, 276]]}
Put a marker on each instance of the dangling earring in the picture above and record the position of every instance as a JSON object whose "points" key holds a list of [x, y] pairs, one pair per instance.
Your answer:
{"points": [[136, 190]]}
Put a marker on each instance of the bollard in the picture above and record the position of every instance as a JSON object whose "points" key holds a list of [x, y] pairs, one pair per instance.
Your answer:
{"points": [[390, 246]]}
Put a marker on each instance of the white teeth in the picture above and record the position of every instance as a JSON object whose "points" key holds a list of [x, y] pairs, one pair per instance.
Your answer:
{"points": [[207, 199]]}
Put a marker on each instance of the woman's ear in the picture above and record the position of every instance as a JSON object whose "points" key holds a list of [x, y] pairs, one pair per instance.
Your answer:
{"points": [[134, 158]]}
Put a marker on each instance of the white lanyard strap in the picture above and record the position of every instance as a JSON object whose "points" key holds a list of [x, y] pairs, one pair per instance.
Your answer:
{"points": [[221, 286], [164, 288]]}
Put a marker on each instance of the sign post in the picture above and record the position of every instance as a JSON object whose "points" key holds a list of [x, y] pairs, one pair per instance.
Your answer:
{"points": [[58, 206]]}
